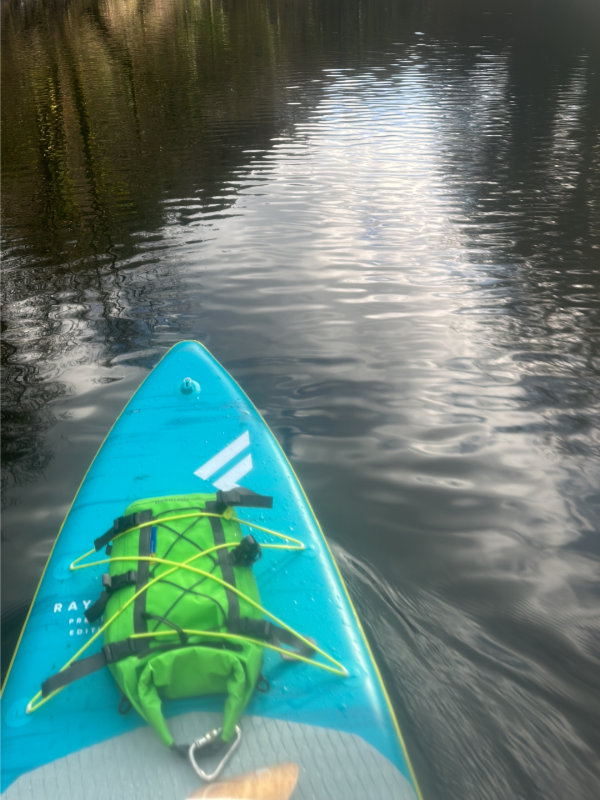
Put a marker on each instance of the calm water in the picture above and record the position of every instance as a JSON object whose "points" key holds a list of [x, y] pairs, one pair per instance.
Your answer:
{"points": [[384, 219]]}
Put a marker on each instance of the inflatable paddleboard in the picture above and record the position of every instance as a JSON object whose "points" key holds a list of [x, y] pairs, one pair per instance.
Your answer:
{"points": [[314, 733]]}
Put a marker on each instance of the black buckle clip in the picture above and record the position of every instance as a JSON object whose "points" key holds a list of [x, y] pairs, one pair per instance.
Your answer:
{"points": [[131, 521], [247, 552], [122, 524], [119, 650], [110, 583]]}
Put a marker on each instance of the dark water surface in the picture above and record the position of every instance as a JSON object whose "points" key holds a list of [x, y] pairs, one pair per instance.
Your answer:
{"points": [[384, 219]]}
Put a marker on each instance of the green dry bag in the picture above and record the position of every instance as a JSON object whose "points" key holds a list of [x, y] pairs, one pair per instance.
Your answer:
{"points": [[171, 589], [182, 615]]}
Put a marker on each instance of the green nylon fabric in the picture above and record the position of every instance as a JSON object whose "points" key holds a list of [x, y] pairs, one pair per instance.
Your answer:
{"points": [[187, 600]]}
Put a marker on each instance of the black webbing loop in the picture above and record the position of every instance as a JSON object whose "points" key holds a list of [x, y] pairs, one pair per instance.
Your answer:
{"points": [[96, 610], [262, 684], [268, 632], [118, 581], [125, 705], [242, 497], [110, 583], [122, 524]]}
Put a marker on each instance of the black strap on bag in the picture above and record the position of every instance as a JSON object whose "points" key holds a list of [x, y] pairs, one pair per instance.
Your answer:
{"points": [[267, 631], [122, 524], [242, 497], [85, 666], [110, 585]]}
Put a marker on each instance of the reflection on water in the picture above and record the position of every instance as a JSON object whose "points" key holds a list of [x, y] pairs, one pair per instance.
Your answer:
{"points": [[385, 221]]}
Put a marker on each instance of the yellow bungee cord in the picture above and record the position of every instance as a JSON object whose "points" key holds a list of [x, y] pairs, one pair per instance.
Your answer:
{"points": [[227, 515], [337, 669]]}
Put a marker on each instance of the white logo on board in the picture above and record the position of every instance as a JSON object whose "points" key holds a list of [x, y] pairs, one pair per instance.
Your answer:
{"points": [[224, 457], [72, 612]]}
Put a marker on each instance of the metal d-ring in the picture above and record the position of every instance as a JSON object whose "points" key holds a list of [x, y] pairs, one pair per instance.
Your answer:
{"points": [[206, 740]]}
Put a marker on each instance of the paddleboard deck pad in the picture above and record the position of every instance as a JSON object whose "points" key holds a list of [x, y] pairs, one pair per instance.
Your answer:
{"points": [[188, 429]]}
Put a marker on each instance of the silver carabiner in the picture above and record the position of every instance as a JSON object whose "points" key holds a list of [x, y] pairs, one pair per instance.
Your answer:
{"points": [[206, 740]]}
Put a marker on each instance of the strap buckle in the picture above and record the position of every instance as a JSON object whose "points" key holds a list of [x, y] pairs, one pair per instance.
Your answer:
{"points": [[247, 552], [207, 742], [122, 524], [123, 579], [132, 520], [119, 650]]}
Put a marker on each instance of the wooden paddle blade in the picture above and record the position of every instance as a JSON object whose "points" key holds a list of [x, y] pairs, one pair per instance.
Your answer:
{"points": [[270, 783]]}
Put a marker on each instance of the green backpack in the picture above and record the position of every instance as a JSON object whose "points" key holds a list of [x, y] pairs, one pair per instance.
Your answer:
{"points": [[182, 614]]}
